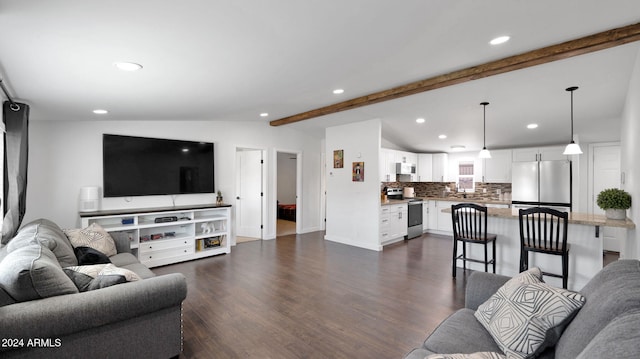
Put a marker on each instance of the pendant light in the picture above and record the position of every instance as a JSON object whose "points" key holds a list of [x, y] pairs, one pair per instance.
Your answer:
{"points": [[485, 152], [572, 148]]}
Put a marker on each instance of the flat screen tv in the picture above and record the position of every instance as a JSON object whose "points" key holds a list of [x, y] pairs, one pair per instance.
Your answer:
{"points": [[141, 166]]}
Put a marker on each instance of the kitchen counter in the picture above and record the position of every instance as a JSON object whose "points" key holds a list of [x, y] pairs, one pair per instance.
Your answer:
{"points": [[585, 234], [468, 200], [574, 218], [449, 199]]}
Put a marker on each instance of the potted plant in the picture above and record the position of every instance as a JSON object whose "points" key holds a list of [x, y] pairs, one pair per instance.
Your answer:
{"points": [[219, 198], [615, 203]]}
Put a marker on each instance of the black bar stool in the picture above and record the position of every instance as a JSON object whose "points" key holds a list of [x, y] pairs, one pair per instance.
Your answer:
{"points": [[470, 226], [544, 230]]}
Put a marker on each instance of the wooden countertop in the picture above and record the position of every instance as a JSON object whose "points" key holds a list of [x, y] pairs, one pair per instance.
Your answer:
{"points": [[574, 218]]}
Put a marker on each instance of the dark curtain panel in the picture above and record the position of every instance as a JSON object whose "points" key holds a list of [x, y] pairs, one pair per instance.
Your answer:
{"points": [[16, 152]]}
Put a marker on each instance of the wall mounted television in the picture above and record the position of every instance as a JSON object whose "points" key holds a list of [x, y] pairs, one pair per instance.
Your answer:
{"points": [[142, 166]]}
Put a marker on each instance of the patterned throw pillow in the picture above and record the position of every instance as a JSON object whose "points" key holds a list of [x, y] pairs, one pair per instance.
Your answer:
{"points": [[93, 236], [478, 355], [526, 315], [98, 276]]}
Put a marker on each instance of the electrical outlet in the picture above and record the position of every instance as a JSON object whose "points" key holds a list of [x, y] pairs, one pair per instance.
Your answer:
{"points": [[484, 190]]}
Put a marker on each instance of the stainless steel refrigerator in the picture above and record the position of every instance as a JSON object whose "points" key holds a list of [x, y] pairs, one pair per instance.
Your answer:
{"points": [[541, 183]]}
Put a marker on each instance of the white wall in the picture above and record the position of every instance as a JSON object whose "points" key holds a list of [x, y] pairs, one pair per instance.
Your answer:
{"points": [[353, 208], [286, 178], [630, 153], [67, 155]]}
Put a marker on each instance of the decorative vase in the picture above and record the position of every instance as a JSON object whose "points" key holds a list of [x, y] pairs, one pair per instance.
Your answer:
{"points": [[615, 213], [219, 200]]}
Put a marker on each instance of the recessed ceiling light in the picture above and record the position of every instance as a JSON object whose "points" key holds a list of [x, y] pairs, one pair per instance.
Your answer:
{"points": [[457, 148], [100, 112], [127, 66], [499, 40], [338, 91], [442, 137], [264, 114], [532, 125], [420, 120]]}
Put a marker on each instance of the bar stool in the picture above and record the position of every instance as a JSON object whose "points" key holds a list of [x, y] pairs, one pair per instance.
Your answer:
{"points": [[470, 226], [544, 230]]}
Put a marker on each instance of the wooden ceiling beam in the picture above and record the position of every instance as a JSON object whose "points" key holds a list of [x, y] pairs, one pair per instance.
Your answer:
{"points": [[581, 46]]}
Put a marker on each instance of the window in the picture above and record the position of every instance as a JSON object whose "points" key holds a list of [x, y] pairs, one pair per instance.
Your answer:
{"points": [[465, 176]]}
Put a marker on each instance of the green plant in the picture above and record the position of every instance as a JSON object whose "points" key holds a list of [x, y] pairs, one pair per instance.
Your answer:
{"points": [[613, 198]]}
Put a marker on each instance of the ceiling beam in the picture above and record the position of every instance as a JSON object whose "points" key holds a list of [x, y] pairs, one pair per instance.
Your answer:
{"points": [[581, 46]]}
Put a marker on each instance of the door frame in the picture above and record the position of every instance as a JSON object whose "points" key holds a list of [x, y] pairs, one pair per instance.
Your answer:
{"points": [[299, 196], [263, 181]]}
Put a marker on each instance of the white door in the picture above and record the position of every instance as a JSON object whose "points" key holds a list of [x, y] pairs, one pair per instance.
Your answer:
{"points": [[249, 193], [606, 174]]}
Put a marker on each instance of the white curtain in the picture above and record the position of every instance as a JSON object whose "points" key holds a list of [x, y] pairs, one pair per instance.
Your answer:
{"points": [[16, 120]]}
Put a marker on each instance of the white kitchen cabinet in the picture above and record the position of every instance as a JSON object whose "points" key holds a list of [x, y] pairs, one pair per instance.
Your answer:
{"points": [[551, 153], [440, 222], [440, 165], [497, 169], [425, 216], [444, 219], [388, 159], [393, 222], [425, 167]]}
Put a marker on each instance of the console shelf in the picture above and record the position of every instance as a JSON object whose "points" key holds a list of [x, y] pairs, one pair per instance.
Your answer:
{"points": [[193, 232]]}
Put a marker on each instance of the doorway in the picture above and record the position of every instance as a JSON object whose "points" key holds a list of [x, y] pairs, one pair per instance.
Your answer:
{"points": [[249, 194], [287, 194]]}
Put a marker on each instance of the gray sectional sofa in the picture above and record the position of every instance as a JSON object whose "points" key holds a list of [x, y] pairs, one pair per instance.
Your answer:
{"points": [[607, 326], [44, 315]]}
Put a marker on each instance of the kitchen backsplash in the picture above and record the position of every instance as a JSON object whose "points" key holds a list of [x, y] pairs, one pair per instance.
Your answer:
{"points": [[437, 189]]}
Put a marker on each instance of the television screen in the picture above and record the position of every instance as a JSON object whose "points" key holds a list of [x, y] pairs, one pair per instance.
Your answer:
{"points": [[141, 166]]}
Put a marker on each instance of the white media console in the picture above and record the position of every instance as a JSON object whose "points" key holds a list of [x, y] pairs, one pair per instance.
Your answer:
{"points": [[166, 235]]}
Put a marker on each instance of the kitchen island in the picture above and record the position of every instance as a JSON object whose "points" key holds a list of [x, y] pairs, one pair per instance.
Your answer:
{"points": [[584, 235]]}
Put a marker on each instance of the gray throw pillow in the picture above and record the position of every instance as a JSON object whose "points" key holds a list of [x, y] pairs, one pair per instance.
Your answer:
{"points": [[33, 272]]}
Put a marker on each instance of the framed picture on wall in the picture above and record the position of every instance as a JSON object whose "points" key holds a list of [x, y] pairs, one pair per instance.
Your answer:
{"points": [[358, 172], [338, 158]]}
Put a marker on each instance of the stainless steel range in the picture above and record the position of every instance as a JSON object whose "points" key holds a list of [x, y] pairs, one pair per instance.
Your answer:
{"points": [[414, 218]]}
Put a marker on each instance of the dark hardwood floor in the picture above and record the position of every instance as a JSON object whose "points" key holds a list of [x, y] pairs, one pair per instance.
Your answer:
{"points": [[304, 297]]}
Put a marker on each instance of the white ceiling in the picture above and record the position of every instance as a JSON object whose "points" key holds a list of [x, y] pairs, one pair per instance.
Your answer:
{"points": [[233, 59]]}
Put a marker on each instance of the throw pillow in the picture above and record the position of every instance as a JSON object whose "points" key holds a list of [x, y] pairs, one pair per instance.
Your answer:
{"points": [[98, 276], [526, 315], [33, 272], [88, 255], [478, 355], [93, 236]]}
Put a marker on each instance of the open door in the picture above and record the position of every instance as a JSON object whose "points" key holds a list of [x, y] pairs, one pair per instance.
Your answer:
{"points": [[287, 194], [249, 165]]}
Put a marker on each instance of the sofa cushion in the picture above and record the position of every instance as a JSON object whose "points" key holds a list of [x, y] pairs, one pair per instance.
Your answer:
{"points": [[49, 235], [33, 272], [460, 333], [526, 315], [93, 236], [98, 276], [619, 339], [613, 291]]}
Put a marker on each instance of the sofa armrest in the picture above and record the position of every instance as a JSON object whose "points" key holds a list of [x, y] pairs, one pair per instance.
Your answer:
{"points": [[72, 313], [481, 286]]}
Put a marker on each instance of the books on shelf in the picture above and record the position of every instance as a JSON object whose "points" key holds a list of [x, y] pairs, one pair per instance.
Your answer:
{"points": [[209, 242]]}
